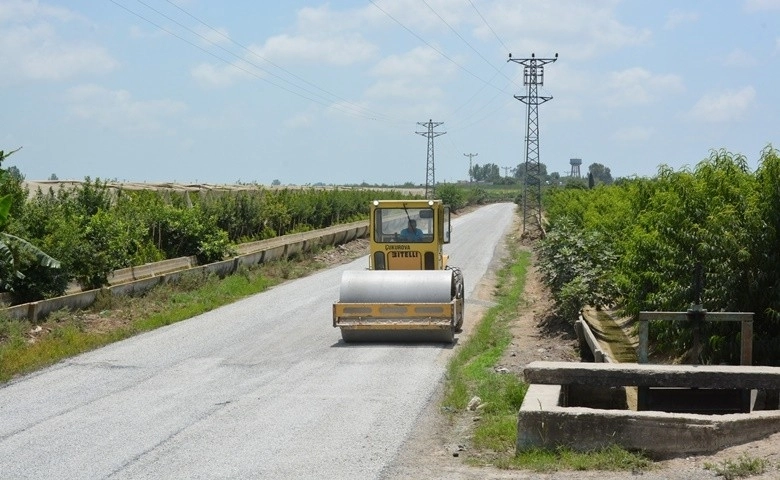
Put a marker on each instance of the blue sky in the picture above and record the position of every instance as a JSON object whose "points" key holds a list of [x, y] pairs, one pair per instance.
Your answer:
{"points": [[309, 91]]}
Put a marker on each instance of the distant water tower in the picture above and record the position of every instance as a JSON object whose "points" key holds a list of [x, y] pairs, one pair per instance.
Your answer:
{"points": [[575, 167]]}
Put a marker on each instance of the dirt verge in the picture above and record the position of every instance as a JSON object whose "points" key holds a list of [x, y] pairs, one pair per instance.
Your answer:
{"points": [[441, 449]]}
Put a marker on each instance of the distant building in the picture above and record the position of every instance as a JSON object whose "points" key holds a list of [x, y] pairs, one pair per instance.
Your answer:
{"points": [[575, 167]]}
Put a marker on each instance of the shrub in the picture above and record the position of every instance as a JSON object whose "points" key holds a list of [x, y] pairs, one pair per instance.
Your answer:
{"points": [[577, 266]]}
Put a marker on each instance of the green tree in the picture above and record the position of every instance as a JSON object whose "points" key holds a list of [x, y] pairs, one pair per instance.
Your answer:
{"points": [[521, 172], [15, 252], [577, 265], [489, 172], [601, 174], [718, 215], [102, 247], [13, 185]]}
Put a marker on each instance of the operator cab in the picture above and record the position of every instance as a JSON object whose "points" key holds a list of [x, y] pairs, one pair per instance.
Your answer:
{"points": [[408, 235]]}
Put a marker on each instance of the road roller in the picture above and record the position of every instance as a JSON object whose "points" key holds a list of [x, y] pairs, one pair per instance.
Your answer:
{"points": [[409, 292]]}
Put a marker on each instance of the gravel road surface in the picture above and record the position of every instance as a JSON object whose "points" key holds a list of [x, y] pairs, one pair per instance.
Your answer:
{"points": [[263, 388]]}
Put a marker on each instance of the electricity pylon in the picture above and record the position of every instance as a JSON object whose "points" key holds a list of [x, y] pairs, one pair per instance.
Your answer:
{"points": [[430, 175], [470, 155], [533, 76]]}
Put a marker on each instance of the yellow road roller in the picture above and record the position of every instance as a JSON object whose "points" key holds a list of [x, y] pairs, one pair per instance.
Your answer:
{"points": [[408, 292]]}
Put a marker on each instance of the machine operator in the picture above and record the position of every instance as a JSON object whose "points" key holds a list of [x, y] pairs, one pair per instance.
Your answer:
{"points": [[411, 233]]}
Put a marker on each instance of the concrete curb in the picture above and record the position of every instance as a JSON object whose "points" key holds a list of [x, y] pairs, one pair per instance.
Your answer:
{"points": [[543, 423], [587, 339], [134, 280]]}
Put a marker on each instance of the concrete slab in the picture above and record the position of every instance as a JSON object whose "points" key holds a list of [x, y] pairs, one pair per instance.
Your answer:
{"points": [[653, 375], [542, 423]]}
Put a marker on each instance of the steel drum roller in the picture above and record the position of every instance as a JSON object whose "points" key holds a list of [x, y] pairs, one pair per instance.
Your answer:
{"points": [[396, 286]]}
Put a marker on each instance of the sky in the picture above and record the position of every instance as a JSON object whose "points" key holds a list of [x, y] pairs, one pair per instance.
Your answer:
{"points": [[309, 91]]}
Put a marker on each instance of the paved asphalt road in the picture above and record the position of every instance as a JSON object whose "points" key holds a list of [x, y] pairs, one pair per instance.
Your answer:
{"points": [[263, 388]]}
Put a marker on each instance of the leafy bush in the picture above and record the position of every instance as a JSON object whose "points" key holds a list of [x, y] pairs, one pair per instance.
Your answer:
{"points": [[16, 253], [451, 195], [95, 229], [105, 244], [718, 215], [37, 281], [477, 196], [576, 265]]}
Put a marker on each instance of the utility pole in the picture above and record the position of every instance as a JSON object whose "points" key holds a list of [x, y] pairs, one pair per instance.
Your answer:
{"points": [[506, 171], [533, 76], [430, 175], [470, 155]]}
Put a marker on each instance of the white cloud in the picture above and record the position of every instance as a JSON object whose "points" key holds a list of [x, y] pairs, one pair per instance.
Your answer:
{"points": [[33, 49], [723, 107], [761, 5], [214, 36], [419, 62], [300, 120], [322, 36], [344, 49], [414, 74], [386, 15], [577, 30], [405, 88], [36, 53], [421, 17], [219, 75], [26, 10], [632, 134], [227, 118], [116, 109], [637, 86], [139, 32], [326, 22], [739, 58], [679, 17]]}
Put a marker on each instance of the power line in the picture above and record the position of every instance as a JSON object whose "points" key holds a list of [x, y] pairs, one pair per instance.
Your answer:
{"points": [[491, 28], [233, 54], [498, 71], [482, 107], [215, 55], [239, 67], [255, 54], [444, 55], [485, 116], [463, 39]]}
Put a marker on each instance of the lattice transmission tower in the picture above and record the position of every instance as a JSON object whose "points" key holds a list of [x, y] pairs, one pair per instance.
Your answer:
{"points": [[533, 77], [430, 172], [471, 166]]}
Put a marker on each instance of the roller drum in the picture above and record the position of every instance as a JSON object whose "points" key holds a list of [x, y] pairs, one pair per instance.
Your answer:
{"points": [[396, 286]]}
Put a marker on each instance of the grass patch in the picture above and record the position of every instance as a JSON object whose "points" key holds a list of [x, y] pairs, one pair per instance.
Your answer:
{"points": [[743, 467], [188, 298], [472, 372], [25, 347], [612, 458]]}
